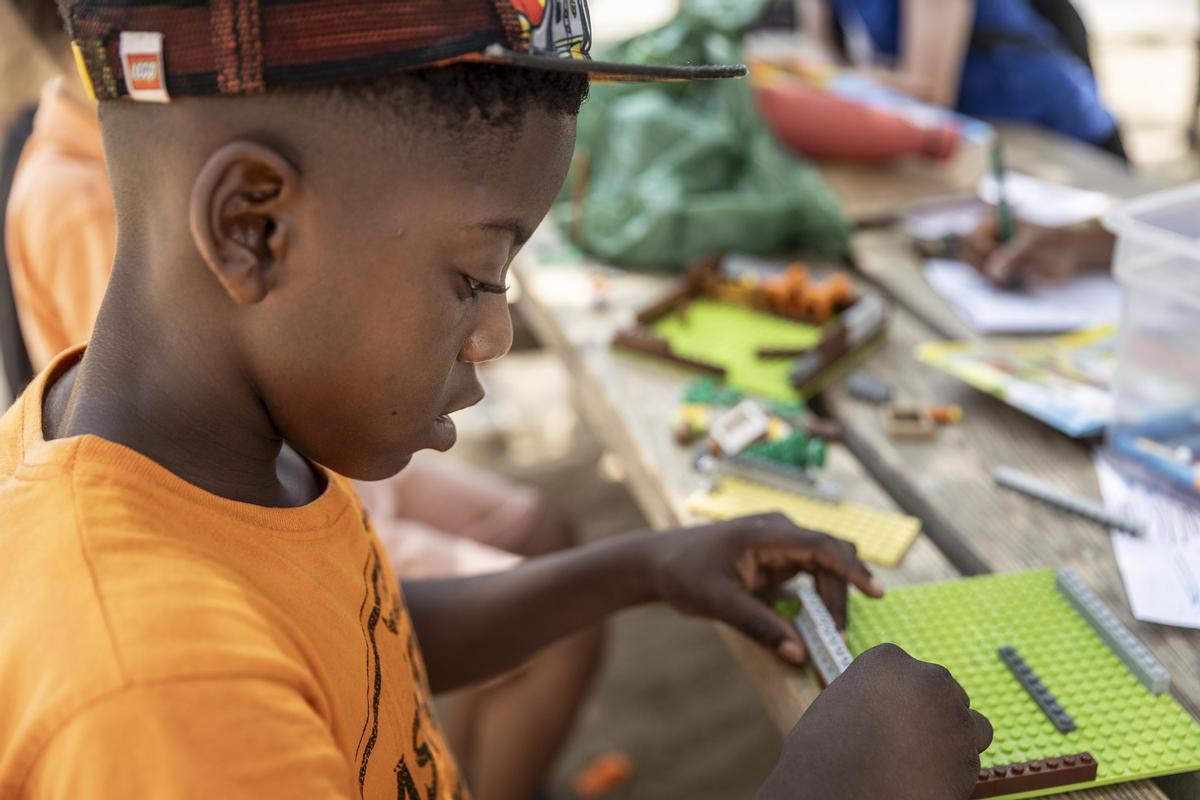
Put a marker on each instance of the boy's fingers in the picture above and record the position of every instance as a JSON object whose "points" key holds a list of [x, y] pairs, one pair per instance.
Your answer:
{"points": [[841, 558], [813, 551], [832, 590], [983, 731], [1002, 266], [742, 611], [979, 243]]}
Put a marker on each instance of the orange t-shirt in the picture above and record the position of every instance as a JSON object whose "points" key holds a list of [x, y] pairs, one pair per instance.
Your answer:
{"points": [[61, 227], [160, 641]]}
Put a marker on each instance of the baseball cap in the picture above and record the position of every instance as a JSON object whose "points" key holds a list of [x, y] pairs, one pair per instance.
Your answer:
{"points": [[155, 50]]}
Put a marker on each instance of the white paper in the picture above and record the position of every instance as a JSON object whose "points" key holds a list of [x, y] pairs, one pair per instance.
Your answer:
{"points": [[1083, 302], [955, 217], [1161, 568], [1052, 205]]}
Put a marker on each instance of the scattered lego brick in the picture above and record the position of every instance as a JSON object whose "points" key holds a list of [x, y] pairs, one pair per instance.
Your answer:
{"points": [[646, 343], [1028, 485], [710, 391], [739, 427], [859, 324], [781, 352], [779, 476], [1031, 776], [945, 415], [1120, 640], [907, 423], [684, 433], [827, 653], [882, 537], [1036, 689], [797, 449], [910, 422], [867, 388], [794, 294], [788, 607], [603, 774]]}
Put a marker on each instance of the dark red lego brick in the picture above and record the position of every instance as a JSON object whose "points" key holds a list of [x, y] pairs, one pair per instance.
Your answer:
{"points": [[1027, 776]]}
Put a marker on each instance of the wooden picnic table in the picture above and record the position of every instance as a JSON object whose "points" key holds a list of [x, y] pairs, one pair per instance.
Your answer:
{"points": [[969, 527], [947, 481]]}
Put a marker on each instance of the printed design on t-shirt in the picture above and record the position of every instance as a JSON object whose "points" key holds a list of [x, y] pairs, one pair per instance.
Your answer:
{"points": [[560, 27], [374, 592], [423, 748], [423, 753]]}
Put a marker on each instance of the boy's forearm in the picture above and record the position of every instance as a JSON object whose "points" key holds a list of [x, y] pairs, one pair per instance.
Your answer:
{"points": [[471, 629]]}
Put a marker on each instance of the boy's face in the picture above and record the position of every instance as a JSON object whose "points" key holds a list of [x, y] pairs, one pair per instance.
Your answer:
{"points": [[371, 332]]}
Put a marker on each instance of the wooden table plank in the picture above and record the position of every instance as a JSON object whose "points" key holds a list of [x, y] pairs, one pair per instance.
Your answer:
{"points": [[629, 403]]}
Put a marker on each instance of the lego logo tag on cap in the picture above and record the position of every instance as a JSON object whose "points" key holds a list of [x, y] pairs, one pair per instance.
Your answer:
{"points": [[142, 58]]}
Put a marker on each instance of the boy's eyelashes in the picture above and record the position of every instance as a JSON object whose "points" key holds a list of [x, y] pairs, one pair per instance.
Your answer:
{"points": [[478, 287]]}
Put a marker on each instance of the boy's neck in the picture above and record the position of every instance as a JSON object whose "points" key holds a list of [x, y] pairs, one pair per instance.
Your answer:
{"points": [[182, 407]]}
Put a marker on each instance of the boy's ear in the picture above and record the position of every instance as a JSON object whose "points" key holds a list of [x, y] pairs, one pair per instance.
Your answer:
{"points": [[240, 218]]}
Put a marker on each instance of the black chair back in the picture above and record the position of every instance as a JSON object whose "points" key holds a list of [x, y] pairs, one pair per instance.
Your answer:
{"points": [[17, 369]]}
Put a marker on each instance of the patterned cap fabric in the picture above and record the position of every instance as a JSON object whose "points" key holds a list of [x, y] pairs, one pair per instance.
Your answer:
{"points": [[157, 49]]}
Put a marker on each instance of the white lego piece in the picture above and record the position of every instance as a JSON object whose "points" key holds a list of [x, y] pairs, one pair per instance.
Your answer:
{"points": [[739, 427], [827, 653]]}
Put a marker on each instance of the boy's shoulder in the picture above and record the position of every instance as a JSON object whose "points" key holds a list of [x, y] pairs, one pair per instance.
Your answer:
{"points": [[100, 596]]}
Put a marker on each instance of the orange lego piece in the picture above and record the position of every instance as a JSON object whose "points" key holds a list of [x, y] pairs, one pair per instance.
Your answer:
{"points": [[792, 294], [602, 774], [945, 415]]}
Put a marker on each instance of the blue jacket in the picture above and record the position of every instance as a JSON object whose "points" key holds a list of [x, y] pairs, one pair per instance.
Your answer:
{"points": [[1017, 68]]}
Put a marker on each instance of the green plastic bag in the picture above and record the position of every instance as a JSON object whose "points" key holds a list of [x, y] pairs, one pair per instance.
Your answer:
{"points": [[678, 171]]}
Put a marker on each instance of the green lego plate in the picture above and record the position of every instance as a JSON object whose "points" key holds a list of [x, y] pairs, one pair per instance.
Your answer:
{"points": [[960, 624], [730, 335]]}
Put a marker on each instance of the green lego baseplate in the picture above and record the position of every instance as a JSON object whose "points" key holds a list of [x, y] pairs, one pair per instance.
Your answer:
{"points": [[730, 335], [961, 624]]}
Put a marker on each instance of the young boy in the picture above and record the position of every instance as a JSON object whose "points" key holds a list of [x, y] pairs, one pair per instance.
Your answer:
{"points": [[313, 235], [434, 519]]}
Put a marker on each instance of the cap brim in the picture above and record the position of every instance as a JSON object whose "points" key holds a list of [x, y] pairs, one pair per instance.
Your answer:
{"points": [[608, 71]]}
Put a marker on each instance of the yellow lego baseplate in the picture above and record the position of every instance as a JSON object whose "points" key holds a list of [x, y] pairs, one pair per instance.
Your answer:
{"points": [[882, 537]]}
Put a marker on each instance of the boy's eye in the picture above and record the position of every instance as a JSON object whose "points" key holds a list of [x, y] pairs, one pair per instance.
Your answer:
{"points": [[480, 287]]}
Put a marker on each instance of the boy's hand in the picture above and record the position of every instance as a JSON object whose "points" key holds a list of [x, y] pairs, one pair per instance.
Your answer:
{"points": [[1046, 255], [714, 570], [890, 726]]}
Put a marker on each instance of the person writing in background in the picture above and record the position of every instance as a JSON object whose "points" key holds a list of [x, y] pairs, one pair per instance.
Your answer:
{"points": [[1017, 60], [1043, 255]]}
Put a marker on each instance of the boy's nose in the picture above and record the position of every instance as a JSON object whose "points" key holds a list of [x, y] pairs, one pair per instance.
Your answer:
{"points": [[493, 337]]}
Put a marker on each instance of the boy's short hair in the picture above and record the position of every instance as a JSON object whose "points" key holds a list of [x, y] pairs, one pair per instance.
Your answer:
{"points": [[462, 96]]}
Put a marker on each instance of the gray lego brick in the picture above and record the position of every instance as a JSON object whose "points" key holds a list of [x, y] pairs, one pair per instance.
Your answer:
{"points": [[779, 476], [1120, 640], [1036, 689], [1028, 485], [868, 388]]}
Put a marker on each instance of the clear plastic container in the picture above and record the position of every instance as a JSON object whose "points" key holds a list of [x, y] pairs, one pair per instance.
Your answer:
{"points": [[1156, 433]]}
